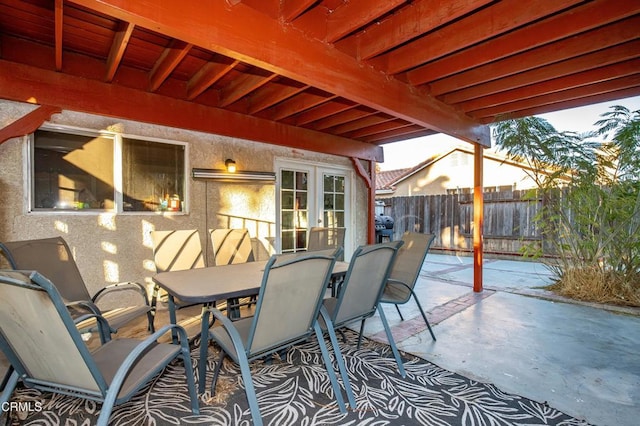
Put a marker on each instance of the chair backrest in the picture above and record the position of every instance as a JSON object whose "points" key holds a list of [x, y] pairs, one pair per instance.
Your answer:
{"points": [[53, 259], [289, 301], [231, 246], [364, 282], [39, 337], [177, 250], [410, 259], [325, 238]]}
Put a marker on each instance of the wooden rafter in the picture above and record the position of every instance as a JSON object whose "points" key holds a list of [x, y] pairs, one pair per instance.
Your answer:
{"points": [[28, 123], [87, 95], [538, 34], [207, 76], [593, 44], [503, 16], [117, 49], [419, 18], [224, 29], [274, 94], [59, 14], [168, 61], [242, 86]]}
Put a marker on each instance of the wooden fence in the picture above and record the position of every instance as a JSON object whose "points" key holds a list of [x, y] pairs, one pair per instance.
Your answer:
{"points": [[508, 220]]}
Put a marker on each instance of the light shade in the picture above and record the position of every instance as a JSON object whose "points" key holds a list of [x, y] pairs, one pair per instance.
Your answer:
{"points": [[240, 176], [230, 165]]}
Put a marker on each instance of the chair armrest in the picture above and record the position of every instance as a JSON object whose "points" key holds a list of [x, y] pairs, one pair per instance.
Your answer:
{"points": [[103, 326], [141, 350], [228, 326], [123, 286], [83, 304], [394, 281]]}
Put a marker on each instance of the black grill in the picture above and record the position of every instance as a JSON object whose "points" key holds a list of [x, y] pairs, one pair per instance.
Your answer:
{"points": [[384, 227]]}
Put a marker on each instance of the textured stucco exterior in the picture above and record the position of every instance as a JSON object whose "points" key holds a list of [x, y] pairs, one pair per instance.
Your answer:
{"points": [[454, 171], [111, 247]]}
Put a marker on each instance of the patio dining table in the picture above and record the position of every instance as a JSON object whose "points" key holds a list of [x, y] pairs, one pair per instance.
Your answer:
{"points": [[206, 286]]}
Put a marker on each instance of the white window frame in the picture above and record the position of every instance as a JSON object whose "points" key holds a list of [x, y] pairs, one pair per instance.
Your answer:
{"points": [[117, 172]]}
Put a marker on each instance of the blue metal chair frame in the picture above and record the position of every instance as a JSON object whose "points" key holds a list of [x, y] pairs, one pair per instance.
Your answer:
{"points": [[358, 297], [244, 340], [96, 375]]}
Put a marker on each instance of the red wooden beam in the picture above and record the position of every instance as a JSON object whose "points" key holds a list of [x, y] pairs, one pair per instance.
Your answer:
{"points": [[118, 47], [291, 9], [549, 30], [28, 123], [168, 61], [475, 28], [478, 217], [327, 109], [369, 178], [365, 122], [20, 82], [556, 86], [207, 76], [240, 31], [58, 16], [420, 17], [584, 91], [344, 117], [619, 53], [378, 128], [273, 94], [354, 14], [242, 86], [574, 103], [294, 105], [532, 61]]}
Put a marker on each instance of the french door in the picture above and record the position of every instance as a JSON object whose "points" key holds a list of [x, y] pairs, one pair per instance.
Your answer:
{"points": [[311, 194]]}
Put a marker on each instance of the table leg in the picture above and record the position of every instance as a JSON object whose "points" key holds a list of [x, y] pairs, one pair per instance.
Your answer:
{"points": [[173, 319], [204, 349]]}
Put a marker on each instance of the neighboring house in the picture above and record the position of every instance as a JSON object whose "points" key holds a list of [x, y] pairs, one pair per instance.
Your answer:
{"points": [[452, 172]]}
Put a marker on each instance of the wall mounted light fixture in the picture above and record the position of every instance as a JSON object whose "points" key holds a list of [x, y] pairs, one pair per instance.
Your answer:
{"points": [[222, 175], [230, 165]]}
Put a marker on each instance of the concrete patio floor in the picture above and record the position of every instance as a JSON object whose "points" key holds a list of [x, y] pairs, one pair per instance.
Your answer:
{"points": [[582, 359]]}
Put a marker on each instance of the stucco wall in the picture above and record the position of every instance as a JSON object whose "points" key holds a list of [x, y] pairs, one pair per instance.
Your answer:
{"points": [[116, 247]]}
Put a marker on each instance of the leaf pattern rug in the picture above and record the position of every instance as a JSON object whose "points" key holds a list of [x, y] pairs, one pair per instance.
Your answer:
{"points": [[295, 390]]}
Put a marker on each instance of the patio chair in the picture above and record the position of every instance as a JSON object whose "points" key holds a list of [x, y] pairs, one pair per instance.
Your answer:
{"points": [[175, 250], [52, 257], [325, 238], [46, 351], [360, 292], [232, 246], [405, 272], [286, 313]]}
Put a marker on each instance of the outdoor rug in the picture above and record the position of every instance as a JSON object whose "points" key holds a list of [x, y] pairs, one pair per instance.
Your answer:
{"points": [[296, 391]]}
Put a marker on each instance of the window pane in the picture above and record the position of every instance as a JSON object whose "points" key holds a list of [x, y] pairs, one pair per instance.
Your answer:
{"points": [[301, 180], [328, 183], [328, 202], [339, 202], [287, 220], [72, 172], [287, 179], [287, 241], [287, 200], [152, 175]]}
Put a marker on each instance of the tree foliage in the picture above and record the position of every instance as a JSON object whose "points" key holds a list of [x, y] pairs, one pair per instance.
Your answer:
{"points": [[590, 217]]}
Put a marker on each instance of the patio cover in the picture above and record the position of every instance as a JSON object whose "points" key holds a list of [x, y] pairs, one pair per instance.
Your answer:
{"points": [[342, 77]]}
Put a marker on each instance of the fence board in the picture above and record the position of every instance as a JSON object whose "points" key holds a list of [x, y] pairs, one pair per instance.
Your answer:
{"points": [[508, 220]]}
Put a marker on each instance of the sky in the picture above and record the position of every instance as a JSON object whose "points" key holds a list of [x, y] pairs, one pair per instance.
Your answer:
{"points": [[399, 155]]}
